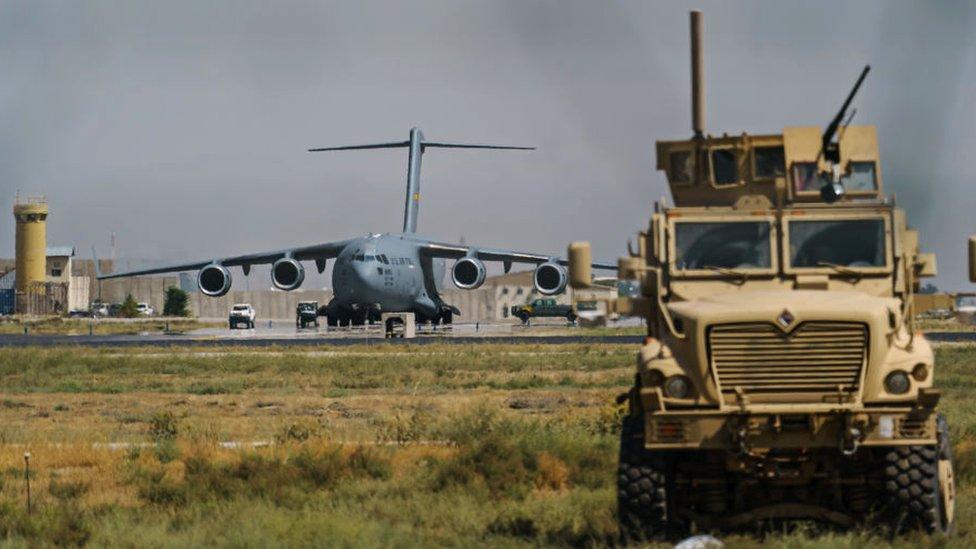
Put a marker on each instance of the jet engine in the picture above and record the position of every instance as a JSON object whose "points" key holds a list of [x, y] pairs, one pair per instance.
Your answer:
{"points": [[287, 274], [468, 273], [214, 280], [550, 278]]}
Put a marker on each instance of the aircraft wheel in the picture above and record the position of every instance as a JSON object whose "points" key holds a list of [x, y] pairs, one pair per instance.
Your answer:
{"points": [[447, 317]]}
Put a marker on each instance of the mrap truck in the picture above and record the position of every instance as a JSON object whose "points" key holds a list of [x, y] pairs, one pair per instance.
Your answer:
{"points": [[781, 376]]}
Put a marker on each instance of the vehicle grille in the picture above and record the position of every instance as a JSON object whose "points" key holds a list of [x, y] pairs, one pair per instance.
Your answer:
{"points": [[814, 362]]}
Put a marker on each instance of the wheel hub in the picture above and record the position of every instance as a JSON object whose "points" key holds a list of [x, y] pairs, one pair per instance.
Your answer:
{"points": [[947, 489]]}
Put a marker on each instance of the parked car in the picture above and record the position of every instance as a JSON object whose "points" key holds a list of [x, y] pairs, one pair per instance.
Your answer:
{"points": [[145, 309], [545, 306], [241, 313], [99, 308], [307, 313]]}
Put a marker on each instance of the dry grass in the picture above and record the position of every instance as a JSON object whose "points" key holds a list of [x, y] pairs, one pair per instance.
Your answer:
{"points": [[407, 446], [103, 326]]}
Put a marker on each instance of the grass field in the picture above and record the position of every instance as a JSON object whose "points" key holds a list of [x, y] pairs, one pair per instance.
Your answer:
{"points": [[102, 326], [355, 446]]}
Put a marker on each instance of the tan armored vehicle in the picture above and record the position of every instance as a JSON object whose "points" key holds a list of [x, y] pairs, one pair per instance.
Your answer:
{"points": [[781, 376]]}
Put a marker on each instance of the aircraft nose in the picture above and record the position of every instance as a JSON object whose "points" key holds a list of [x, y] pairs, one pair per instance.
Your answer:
{"points": [[366, 273]]}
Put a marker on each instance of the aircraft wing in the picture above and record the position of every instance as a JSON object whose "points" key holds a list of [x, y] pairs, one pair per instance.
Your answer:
{"points": [[327, 250], [457, 251]]}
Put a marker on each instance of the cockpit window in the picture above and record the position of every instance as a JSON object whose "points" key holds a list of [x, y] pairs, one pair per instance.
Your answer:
{"points": [[849, 243], [770, 162], [727, 245], [725, 169]]}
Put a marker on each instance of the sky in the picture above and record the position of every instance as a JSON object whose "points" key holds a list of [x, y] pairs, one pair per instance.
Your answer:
{"points": [[182, 126]]}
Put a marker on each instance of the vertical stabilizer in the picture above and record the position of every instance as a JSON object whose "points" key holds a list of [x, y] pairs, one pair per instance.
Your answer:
{"points": [[412, 205], [417, 145]]}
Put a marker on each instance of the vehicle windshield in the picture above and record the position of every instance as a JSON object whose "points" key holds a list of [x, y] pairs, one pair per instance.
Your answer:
{"points": [[240, 307], [725, 245], [849, 243]]}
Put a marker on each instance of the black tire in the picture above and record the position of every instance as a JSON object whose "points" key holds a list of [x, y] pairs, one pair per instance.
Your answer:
{"points": [[642, 487], [524, 317], [447, 317], [331, 320], [912, 493], [571, 317], [232, 325]]}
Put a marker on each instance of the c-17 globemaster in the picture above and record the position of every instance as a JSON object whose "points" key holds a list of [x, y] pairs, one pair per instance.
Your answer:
{"points": [[391, 272]]}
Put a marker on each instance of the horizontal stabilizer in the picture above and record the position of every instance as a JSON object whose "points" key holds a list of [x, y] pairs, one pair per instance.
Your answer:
{"points": [[463, 146], [396, 145]]}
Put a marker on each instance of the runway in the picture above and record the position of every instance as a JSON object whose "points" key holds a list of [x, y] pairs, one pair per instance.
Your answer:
{"points": [[258, 339], [184, 341]]}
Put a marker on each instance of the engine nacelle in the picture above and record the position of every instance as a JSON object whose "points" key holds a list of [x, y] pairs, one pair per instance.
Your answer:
{"points": [[214, 280], [287, 274], [468, 273], [550, 278]]}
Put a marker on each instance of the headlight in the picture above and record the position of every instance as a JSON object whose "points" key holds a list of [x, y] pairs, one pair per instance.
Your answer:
{"points": [[920, 372], [897, 383], [677, 387]]}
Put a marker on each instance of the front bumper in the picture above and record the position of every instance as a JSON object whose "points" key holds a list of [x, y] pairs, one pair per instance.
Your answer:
{"points": [[845, 429]]}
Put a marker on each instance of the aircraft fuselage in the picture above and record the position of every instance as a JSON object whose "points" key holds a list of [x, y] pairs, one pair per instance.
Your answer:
{"points": [[386, 273]]}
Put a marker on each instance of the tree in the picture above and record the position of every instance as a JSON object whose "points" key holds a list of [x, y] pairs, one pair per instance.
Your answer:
{"points": [[176, 301], [129, 308]]}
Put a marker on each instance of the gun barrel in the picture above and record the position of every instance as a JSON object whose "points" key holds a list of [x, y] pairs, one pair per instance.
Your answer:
{"points": [[835, 123]]}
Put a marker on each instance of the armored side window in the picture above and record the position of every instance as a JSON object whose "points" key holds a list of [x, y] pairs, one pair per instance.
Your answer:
{"points": [[770, 162], [725, 167], [805, 177], [861, 177], [682, 169]]}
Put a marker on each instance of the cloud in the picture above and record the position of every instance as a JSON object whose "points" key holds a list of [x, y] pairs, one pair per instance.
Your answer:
{"points": [[182, 126]]}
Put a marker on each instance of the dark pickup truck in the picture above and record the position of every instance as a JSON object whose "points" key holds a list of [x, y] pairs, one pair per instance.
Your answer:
{"points": [[307, 313], [543, 307]]}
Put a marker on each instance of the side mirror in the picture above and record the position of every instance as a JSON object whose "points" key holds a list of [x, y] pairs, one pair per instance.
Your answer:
{"points": [[972, 259], [580, 265]]}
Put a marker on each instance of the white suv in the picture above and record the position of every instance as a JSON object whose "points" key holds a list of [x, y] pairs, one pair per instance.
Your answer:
{"points": [[145, 309], [241, 313]]}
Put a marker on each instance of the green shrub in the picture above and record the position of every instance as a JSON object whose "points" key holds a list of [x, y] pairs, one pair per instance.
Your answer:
{"points": [[176, 302], [129, 307], [163, 426]]}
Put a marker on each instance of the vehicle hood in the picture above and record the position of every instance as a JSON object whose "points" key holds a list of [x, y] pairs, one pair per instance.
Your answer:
{"points": [[799, 305]]}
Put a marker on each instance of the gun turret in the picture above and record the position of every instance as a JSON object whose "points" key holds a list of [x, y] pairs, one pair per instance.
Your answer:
{"points": [[829, 149]]}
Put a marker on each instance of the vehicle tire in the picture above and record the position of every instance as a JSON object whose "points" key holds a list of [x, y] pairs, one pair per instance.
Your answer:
{"points": [[232, 325], [331, 320], [524, 317], [642, 487], [571, 317], [447, 317], [919, 488], [250, 325]]}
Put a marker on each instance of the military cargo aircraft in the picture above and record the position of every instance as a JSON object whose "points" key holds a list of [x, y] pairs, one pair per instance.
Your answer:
{"points": [[391, 272]]}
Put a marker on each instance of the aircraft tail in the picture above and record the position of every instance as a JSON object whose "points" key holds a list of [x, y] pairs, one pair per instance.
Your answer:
{"points": [[417, 145]]}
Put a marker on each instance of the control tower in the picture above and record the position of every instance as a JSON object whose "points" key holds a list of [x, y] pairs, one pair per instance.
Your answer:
{"points": [[31, 236]]}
